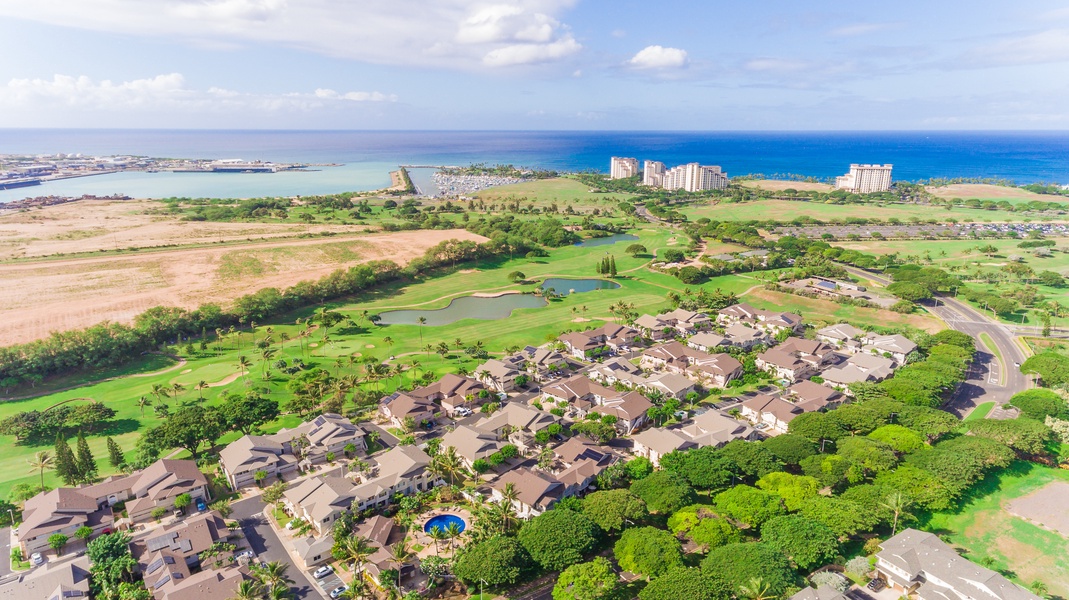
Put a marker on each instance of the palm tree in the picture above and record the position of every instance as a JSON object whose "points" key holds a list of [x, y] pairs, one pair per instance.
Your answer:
{"points": [[388, 341], [453, 530], [399, 555], [248, 590], [177, 388], [279, 592], [41, 461], [437, 534], [422, 321], [200, 387], [283, 338], [158, 390], [243, 365], [273, 574], [448, 464], [897, 503], [357, 549], [757, 589], [142, 402]]}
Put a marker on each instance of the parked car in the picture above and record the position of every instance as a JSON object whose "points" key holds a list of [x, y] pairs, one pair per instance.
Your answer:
{"points": [[244, 554], [338, 591], [201, 506], [463, 411], [323, 571], [36, 559]]}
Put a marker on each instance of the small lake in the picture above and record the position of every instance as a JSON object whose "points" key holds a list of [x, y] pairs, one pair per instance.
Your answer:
{"points": [[607, 241], [467, 307], [579, 286]]}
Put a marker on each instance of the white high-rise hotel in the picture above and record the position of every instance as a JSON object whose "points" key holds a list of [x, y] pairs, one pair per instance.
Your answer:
{"points": [[622, 168], [865, 179], [691, 177]]}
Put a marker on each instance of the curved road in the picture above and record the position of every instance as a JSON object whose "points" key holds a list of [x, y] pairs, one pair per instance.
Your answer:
{"points": [[990, 378]]}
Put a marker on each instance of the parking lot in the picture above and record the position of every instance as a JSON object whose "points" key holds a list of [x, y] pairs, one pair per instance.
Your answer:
{"points": [[328, 583]]}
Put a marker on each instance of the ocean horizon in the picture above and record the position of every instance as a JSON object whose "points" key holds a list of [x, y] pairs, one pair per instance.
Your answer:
{"points": [[368, 156]]}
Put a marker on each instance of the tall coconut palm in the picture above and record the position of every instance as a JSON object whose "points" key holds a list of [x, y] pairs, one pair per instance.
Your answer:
{"points": [[243, 365], [248, 590], [273, 574], [421, 321], [453, 531], [438, 535], [158, 390], [142, 402], [200, 387], [399, 555], [282, 339], [357, 548], [177, 388], [279, 592], [448, 464], [41, 461], [897, 503]]}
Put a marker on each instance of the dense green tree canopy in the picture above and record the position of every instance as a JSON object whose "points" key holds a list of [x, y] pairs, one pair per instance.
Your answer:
{"points": [[752, 460], [831, 470], [1039, 403], [816, 426], [611, 509], [594, 580], [901, 439], [691, 584], [1052, 368], [790, 449], [189, 428], [1022, 434], [648, 551], [807, 542], [705, 468], [844, 517], [737, 564], [870, 455], [664, 492], [245, 413], [559, 538], [749, 505], [794, 489], [498, 560]]}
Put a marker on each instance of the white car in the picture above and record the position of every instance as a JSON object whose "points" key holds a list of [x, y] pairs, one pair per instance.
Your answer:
{"points": [[338, 591], [323, 571], [36, 559], [464, 411], [244, 554]]}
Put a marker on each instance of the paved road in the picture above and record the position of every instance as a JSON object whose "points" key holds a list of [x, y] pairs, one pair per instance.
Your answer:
{"points": [[5, 551], [989, 379], [264, 541]]}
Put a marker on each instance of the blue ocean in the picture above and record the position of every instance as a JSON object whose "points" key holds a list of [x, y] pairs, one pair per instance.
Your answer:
{"points": [[368, 156]]}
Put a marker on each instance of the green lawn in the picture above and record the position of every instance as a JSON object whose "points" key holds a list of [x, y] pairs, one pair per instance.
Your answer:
{"points": [[644, 289], [787, 210], [980, 412], [987, 533], [961, 258]]}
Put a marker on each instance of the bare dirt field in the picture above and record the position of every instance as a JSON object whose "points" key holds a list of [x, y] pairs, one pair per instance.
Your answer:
{"points": [[94, 225], [779, 186], [984, 191], [39, 297], [1045, 507]]}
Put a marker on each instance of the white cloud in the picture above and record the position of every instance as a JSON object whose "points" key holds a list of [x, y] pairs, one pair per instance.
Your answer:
{"points": [[523, 54], [1051, 46], [856, 29], [460, 34], [162, 92], [659, 57], [780, 65]]}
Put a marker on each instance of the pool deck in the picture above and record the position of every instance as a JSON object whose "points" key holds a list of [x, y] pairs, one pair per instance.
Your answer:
{"points": [[446, 548]]}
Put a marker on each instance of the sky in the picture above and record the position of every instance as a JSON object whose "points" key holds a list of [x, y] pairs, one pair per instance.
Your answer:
{"points": [[535, 64]]}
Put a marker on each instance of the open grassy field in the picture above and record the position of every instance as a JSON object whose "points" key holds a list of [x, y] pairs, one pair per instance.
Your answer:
{"points": [[826, 311], [986, 531], [774, 185], [56, 295], [643, 288], [961, 256], [562, 190], [982, 191], [786, 210]]}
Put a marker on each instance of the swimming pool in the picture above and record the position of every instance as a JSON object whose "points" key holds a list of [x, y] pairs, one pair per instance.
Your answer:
{"points": [[442, 522]]}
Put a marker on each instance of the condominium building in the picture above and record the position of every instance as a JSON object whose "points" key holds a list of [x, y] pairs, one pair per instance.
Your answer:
{"points": [[694, 177], [865, 179], [653, 173], [622, 168]]}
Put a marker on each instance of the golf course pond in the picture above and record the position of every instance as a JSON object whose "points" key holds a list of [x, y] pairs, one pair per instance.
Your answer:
{"points": [[492, 308]]}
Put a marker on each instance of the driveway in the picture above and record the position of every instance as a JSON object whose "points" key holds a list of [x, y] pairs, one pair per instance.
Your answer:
{"points": [[264, 541], [5, 552]]}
